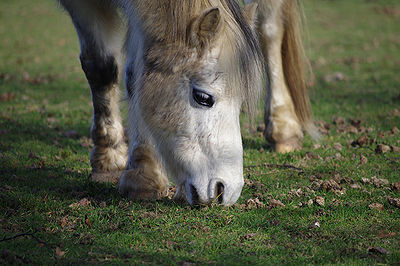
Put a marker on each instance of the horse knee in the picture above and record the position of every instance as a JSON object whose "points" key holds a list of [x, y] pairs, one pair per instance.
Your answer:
{"points": [[106, 131], [100, 71]]}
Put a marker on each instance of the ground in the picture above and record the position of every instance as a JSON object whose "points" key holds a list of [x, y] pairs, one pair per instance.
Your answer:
{"points": [[336, 201]]}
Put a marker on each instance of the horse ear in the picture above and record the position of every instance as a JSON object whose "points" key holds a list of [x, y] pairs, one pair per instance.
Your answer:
{"points": [[205, 27], [250, 14]]}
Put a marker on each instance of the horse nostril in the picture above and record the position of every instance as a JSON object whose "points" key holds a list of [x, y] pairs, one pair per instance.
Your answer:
{"points": [[195, 195], [220, 191]]}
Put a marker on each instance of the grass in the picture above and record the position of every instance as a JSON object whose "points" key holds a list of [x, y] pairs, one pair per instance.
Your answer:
{"points": [[354, 47]]}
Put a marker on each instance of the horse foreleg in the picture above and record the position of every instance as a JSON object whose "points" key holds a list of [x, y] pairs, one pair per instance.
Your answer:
{"points": [[97, 27], [109, 155]]}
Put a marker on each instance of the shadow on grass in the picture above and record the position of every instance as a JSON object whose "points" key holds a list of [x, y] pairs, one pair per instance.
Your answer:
{"points": [[73, 186], [255, 144], [51, 134]]}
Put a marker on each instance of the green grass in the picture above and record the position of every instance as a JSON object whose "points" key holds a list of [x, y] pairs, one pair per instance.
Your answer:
{"points": [[43, 172]]}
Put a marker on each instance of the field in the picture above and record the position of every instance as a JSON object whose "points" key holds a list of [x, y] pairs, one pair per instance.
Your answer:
{"points": [[333, 202]]}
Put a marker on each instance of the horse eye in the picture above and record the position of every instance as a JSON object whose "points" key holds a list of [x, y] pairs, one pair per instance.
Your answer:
{"points": [[203, 98]]}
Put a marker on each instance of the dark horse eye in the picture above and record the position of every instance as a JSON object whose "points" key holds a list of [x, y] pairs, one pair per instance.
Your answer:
{"points": [[203, 98]]}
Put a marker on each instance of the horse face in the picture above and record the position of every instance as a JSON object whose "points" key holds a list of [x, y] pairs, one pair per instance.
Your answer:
{"points": [[193, 116], [195, 124], [214, 157], [210, 154]]}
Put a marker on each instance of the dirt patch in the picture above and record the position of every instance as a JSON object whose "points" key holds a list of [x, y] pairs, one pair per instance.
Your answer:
{"points": [[376, 206], [394, 202]]}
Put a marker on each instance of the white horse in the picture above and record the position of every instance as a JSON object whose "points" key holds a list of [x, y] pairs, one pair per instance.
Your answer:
{"points": [[190, 65]]}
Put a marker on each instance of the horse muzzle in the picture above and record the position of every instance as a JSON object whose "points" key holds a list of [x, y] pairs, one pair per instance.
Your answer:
{"points": [[217, 191]]}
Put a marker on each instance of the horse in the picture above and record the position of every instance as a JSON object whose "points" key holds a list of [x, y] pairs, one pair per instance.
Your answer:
{"points": [[189, 67]]}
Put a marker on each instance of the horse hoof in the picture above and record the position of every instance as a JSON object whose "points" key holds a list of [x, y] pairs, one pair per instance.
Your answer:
{"points": [[143, 184], [288, 146], [105, 177]]}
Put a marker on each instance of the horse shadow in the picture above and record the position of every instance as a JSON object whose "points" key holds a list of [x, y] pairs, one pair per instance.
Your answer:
{"points": [[56, 178], [256, 144]]}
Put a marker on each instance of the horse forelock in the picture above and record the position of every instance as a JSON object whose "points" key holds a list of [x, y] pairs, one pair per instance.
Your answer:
{"points": [[165, 24]]}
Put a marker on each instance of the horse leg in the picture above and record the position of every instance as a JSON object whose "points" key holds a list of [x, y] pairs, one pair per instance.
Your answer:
{"points": [[144, 177], [97, 25], [283, 127]]}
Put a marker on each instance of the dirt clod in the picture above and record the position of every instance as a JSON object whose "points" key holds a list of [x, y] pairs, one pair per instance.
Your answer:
{"points": [[248, 236], [338, 146], [395, 186], [82, 203], [352, 129], [312, 156], [394, 148], [379, 182], [365, 180], [378, 250], [150, 214], [363, 159], [316, 146], [255, 203], [320, 201], [310, 202], [376, 206], [336, 202], [323, 127], [394, 202], [382, 148], [355, 186], [339, 120], [295, 193], [330, 185], [251, 204], [361, 141], [338, 156], [276, 203]]}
